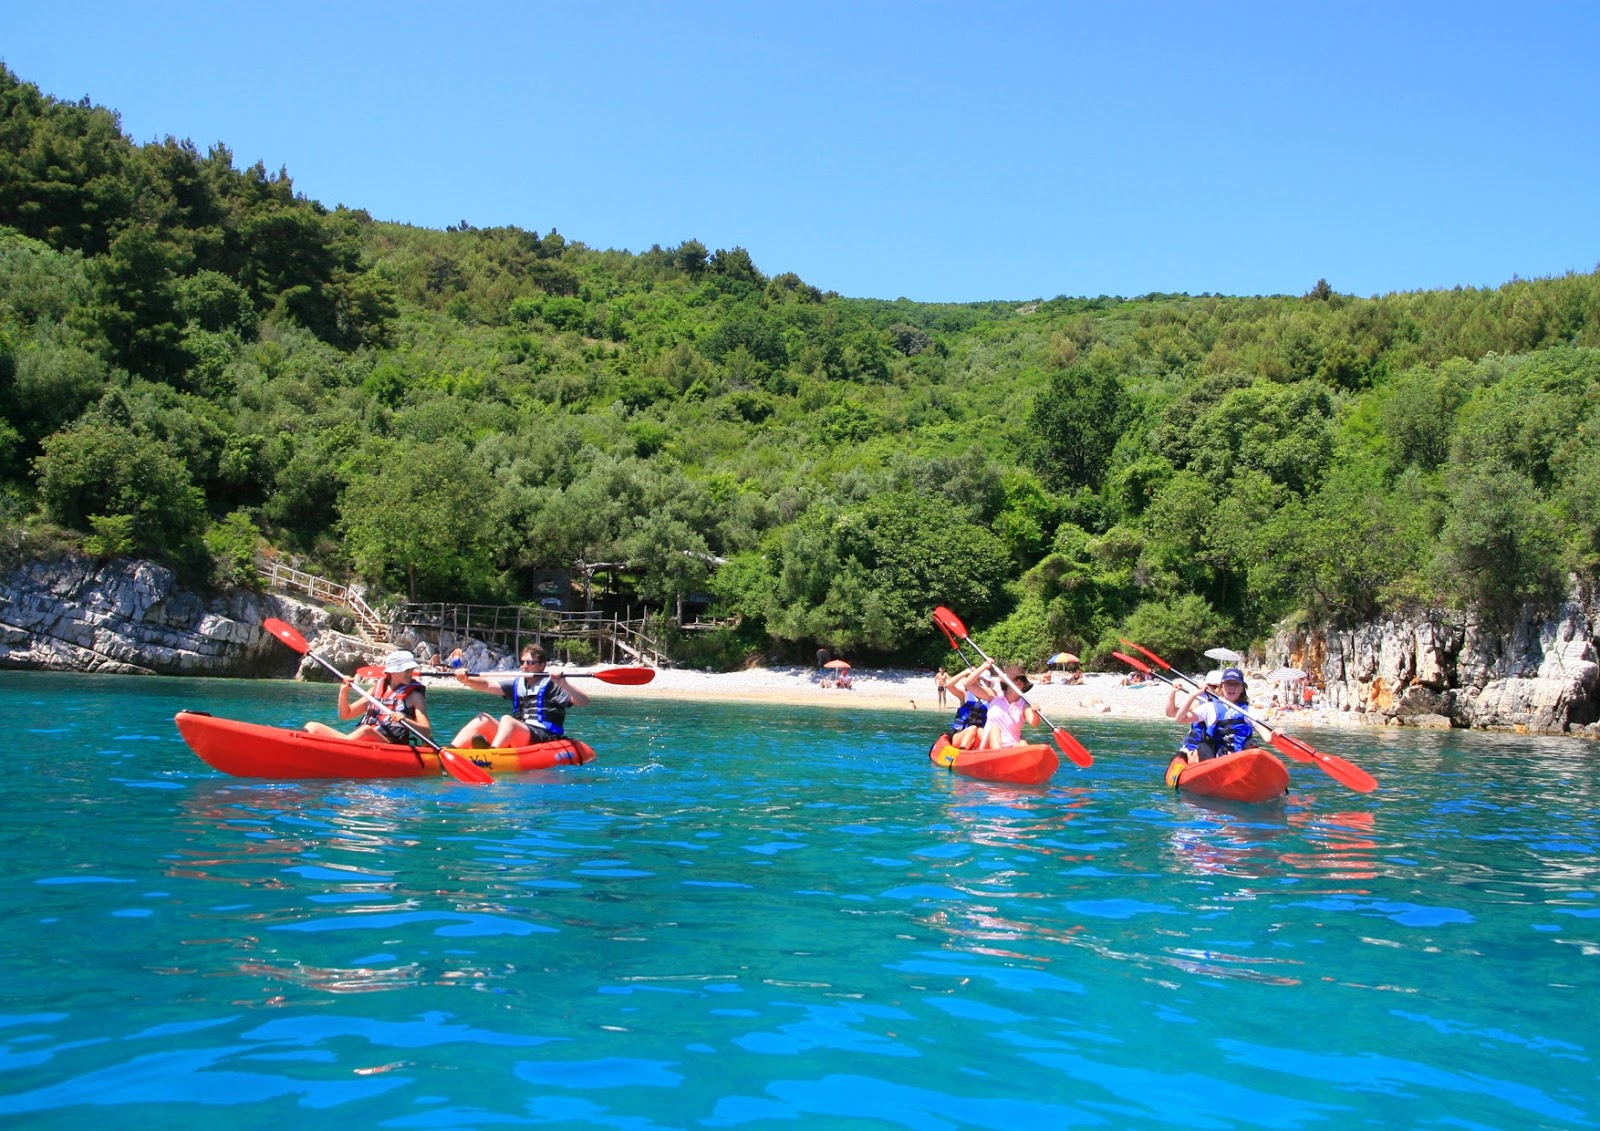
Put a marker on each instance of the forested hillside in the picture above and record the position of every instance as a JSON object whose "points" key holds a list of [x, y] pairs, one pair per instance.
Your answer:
{"points": [[195, 360]]}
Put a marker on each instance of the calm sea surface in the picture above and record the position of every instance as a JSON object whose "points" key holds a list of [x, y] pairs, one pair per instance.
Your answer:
{"points": [[770, 917]]}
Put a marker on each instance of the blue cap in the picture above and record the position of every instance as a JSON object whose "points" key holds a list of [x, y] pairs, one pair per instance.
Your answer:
{"points": [[1233, 675]]}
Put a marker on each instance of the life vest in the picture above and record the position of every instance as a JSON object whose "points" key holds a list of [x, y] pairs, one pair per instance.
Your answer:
{"points": [[394, 699], [973, 712], [1232, 731], [545, 705]]}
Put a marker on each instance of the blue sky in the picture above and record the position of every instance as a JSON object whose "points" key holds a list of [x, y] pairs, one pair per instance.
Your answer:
{"points": [[936, 151]]}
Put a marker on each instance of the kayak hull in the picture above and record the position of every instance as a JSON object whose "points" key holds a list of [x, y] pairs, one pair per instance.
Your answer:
{"points": [[1020, 765], [250, 750], [1252, 776]]}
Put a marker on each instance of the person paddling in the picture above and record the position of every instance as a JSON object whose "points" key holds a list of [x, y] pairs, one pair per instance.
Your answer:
{"points": [[967, 727], [1223, 719], [401, 696], [539, 702], [1008, 710]]}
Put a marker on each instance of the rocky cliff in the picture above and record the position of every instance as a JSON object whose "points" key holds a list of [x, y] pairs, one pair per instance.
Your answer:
{"points": [[132, 617], [1444, 668]]}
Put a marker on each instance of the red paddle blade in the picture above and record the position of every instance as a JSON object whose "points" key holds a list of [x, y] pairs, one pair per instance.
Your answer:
{"points": [[462, 770], [950, 623], [1136, 664], [371, 671], [1335, 767], [1072, 748], [1293, 747], [286, 634], [627, 677], [1140, 648]]}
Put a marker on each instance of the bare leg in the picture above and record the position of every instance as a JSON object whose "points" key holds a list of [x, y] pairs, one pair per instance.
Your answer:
{"points": [[481, 726], [511, 733]]}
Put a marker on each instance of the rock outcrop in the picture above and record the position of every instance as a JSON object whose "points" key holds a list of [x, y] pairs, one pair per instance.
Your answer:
{"points": [[1539, 676], [132, 617]]}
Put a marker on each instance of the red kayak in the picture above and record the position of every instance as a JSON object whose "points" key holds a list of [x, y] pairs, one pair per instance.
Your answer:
{"points": [[1251, 776], [1023, 765], [249, 750]]}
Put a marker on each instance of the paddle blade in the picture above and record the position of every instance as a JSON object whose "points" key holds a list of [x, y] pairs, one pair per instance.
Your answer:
{"points": [[286, 634], [626, 677], [1293, 747], [370, 671], [951, 623], [469, 773], [1139, 665], [1141, 648], [1335, 767], [1072, 748]]}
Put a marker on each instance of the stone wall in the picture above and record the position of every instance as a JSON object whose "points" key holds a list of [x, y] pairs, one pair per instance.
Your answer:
{"points": [[1538, 675], [131, 617]]}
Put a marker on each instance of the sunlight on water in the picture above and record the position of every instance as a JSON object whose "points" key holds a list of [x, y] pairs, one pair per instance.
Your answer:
{"points": [[759, 916]]}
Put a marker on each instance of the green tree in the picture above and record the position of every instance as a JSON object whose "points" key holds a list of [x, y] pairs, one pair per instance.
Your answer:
{"points": [[1075, 423], [101, 469], [425, 518]]}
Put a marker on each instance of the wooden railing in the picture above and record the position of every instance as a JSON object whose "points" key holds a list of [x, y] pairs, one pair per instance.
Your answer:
{"points": [[508, 627], [280, 576]]}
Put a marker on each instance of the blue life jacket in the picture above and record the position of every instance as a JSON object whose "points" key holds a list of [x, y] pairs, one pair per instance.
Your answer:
{"points": [[1233, 731], [973, 712], [544, 706]]}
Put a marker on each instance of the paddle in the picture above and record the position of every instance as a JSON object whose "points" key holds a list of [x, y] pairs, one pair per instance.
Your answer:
{"points": [[951, 626], [454, 764], [626, 677], [1334, 766]]}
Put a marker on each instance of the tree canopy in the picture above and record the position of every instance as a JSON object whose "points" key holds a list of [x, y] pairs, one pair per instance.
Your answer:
{"points": [[190, 351]]}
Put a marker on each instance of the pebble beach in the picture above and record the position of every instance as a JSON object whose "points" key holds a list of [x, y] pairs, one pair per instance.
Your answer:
{"points": [[1101, 694]]}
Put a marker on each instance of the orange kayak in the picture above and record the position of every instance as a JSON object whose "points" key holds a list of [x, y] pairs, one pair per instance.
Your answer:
{"points": [[249, 750], [1023, 765], [1250, 775]]}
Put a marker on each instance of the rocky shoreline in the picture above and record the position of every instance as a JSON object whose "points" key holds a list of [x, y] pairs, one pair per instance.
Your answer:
{"points": [[1433, 669]]}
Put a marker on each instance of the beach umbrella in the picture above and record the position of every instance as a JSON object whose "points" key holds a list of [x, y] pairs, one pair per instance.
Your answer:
{"points": [[1062, 658], [1287, 675], [837, 665]]}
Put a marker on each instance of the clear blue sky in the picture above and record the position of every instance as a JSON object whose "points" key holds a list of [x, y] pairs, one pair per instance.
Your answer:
{"points": [[937, 151]]}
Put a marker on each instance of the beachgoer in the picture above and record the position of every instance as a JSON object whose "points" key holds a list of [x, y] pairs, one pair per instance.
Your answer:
{"points": [[1224, 718], [539, 702], [941, 681], [401, 696], [1008, 710]]}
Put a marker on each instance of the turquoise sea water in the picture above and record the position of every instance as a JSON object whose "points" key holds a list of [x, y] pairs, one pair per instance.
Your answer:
{"points": [[770, 917]]}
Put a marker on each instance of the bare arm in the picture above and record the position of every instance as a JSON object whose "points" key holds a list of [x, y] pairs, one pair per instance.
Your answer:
{"points": [[579, 699], [1187, 714]]}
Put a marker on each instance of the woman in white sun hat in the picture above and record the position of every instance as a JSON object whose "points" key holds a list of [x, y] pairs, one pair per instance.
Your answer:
{"points": [[401, 696]]}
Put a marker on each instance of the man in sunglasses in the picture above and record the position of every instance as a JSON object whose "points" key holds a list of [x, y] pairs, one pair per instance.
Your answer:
{"points": [[539, 702]]}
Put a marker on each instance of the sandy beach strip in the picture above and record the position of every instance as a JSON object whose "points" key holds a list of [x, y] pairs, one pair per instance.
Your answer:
{"points": [[1101, 694], [878, 689]]}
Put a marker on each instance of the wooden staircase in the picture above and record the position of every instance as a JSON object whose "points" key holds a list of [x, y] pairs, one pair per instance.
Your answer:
{"points": [[278, 576]]}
